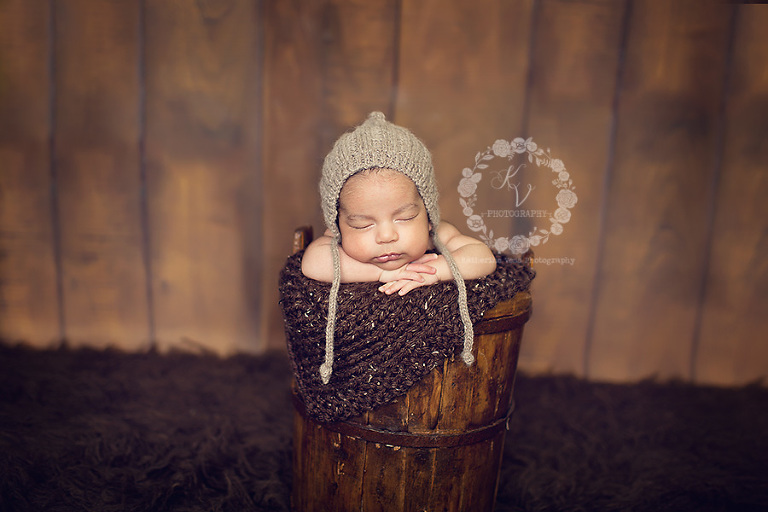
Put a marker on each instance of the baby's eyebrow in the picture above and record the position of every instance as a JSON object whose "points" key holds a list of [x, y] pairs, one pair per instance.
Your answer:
{"points": [[406, 207], [360, 216], [353, 217]]}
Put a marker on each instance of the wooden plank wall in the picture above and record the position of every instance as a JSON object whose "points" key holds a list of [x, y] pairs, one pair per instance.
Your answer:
{"points": [[155, 157]]}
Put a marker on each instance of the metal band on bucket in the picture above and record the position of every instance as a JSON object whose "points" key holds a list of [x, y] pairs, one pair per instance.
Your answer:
{"points": [[410, 439]]}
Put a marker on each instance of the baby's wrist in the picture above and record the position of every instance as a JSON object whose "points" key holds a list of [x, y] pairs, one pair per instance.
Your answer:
{"points": [[386, 276]]}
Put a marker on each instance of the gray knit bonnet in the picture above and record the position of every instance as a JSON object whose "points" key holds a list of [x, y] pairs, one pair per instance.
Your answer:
{"points": [[379, 144]]}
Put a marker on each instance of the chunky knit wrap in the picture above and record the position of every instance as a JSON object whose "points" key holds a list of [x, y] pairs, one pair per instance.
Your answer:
{"points": [[384, 343]]}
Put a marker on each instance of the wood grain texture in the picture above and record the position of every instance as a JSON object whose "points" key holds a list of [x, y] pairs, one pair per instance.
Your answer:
{"points": [[383, 483], [203, 101], [462, 76], [338, 477], [299, 458], [392, 416], [97, 163], [29, 302], [658, 199], [732, 348], [444, 463], [322, 468], [480, 478], [424, 402], [349, 470], [456, 406], [490, 396], [420, 475], [577, 47], [292, 141], [359, 68]]}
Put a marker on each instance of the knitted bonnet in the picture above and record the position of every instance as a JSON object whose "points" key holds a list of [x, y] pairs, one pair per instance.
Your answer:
{"points": [[377, 143]]}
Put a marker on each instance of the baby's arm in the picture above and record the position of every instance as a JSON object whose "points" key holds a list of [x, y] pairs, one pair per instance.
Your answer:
{"points": [[473, 258], [317, 263]]}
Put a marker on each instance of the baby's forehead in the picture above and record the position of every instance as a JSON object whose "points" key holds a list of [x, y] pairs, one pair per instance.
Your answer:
{"points": [[374, 186], [388, 177]]}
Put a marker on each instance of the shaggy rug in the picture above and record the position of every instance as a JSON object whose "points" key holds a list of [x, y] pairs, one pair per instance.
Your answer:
{"points": [[109, 431]]}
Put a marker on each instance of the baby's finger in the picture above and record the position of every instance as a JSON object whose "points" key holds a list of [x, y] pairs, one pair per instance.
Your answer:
{"points": [[421, 268], [410, 285], [397, 275], [412, 275], [392, 286]]}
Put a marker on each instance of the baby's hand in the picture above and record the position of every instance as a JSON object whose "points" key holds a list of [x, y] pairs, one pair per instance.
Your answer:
{"points": [[408, 277], [413, 271]]}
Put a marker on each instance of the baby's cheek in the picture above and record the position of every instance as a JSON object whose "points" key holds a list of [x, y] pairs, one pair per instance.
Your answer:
{"points": [[355, 247]]}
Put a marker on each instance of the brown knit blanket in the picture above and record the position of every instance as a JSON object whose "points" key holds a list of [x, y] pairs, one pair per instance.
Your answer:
{"points": [[383, 343]]}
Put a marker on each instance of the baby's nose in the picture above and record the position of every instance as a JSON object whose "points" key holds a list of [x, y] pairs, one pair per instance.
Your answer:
{"points": [[386, 233]]}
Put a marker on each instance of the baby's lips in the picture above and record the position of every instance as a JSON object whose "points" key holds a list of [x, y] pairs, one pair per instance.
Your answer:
{"points": [[387, 257]]}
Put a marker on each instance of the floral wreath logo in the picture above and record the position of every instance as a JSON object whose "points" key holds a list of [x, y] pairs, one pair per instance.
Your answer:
{"points": [[566, 197]]}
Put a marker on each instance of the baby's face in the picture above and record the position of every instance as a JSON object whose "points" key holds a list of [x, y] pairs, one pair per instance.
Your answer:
{"points": [[382, 219]]}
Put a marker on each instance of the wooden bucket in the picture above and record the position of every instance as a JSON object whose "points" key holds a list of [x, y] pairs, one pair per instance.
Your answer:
{"points": [[438, 448]]}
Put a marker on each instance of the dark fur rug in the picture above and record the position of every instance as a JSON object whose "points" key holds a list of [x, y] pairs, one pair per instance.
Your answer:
{"points": [[108, 431]]}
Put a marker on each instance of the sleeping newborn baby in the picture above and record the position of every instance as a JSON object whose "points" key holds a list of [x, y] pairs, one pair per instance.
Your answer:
{"points": [[379, 199]]}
